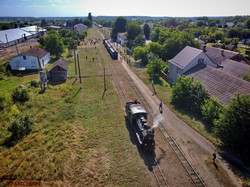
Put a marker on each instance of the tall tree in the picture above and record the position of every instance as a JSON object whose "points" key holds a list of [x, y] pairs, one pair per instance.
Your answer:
{"points": [[54, 44], [90, 17], [133, 30], [146, 30], [119, 26]]}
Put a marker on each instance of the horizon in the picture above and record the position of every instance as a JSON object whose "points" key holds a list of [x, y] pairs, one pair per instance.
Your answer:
{"points": [[157, 8]]}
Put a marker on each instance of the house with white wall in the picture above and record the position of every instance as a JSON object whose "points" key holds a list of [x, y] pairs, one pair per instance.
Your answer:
{"points": [[121, 38], [81, 28], [33, 59], [185, 60]]}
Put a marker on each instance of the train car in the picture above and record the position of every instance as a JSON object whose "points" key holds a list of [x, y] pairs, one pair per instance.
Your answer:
{"points": [[137, 117], [113, 53]]}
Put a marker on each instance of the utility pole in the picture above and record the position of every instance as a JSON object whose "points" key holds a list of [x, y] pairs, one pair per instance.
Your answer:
{"points": [[79, 71], [104, 81], [17, 49], [75, 63]]}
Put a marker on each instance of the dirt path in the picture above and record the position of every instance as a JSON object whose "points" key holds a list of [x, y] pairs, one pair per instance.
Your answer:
{"points": [[197, 149], [12, 51]]}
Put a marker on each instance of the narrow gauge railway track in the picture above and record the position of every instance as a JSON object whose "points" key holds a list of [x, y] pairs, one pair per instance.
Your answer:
{"points": [[158, 174]]}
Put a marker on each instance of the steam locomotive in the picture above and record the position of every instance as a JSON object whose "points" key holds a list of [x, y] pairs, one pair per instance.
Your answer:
{"points": [[137, 117], [113, 53]]}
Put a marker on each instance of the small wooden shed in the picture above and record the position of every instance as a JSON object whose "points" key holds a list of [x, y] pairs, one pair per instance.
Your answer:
{"points": [[59, 71]]}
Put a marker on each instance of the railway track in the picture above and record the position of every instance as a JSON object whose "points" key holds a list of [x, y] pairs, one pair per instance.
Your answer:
{"points": [[157, 171], [159, 175]]}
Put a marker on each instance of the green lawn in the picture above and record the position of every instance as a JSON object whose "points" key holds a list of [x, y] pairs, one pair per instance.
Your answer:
{"points": [[77, 137]]}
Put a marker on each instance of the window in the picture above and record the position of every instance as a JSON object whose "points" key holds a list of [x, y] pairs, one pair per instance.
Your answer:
{"points": [[24, 57]]}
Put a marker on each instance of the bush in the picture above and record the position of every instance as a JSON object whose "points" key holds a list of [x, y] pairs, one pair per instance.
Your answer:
{"points": [[233, 125], [211, 109], [20, 95], [34, 83], [189, 94], [20, 127]]}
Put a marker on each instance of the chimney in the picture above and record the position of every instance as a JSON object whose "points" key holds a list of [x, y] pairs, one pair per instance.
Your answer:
{"points": [[222, 52], [204, 48], [37, 49]]}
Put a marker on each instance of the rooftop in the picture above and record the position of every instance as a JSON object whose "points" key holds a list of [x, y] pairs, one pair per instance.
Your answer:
{"points": [[219, 84], [218, 55], [235, 68], [62, 63], [35, 51], [183, 58]]}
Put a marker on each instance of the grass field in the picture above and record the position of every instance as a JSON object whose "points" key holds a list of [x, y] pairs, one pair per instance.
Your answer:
{"points": [[77, 137]]}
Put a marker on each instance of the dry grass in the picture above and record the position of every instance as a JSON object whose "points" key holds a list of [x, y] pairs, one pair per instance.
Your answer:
{"points": [[77, 138]]}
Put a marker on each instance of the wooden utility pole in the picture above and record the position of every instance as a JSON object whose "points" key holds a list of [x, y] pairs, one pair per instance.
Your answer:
{"points": [[104, 81], [79, 71], [105, 87], [75, 63]]}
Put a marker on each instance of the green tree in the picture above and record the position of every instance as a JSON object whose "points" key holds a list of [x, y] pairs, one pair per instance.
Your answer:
{"points": [[235, 32], [146, 31], [233, 126], [247, 23], [43, 23], [133, 30], [119, 26], [140, 53], [154, 68], [6, 26], [87, 22], [211, 109], [90, 17], [189, 94], [54, 44]]}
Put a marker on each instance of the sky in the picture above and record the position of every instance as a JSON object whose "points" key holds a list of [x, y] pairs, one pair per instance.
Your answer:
{"points": [[169, 8]]}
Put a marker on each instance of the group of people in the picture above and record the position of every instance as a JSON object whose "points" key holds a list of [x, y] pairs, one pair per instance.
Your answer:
{"points": [[91, 42]]}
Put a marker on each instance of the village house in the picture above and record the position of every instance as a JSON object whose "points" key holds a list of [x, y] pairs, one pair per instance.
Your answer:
{"points": [[81, 28], [59, 71], [220, 71], [122, 38], [33, 59]]}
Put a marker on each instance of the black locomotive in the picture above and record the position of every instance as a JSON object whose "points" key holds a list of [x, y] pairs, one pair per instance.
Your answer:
{"points": [[137, 116], [113, 53]]}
